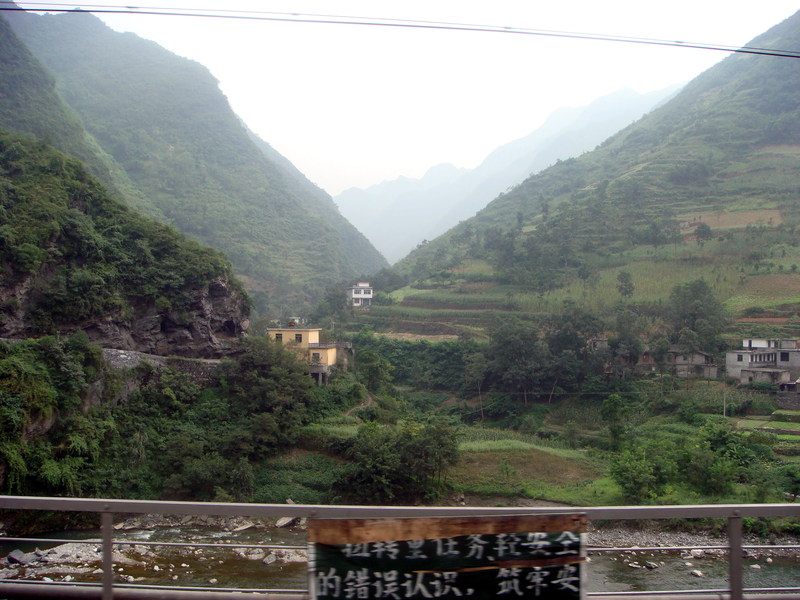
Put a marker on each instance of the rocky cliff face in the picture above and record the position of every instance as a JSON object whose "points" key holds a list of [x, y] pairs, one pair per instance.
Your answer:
{"points": [[73, 258], [205, 327]]}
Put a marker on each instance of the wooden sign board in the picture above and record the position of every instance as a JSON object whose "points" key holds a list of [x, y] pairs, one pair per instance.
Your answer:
{"points": [[472, 558]]}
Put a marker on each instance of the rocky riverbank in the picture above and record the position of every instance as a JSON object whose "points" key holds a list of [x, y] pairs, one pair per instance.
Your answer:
{"points": [[654, 537], [238, 538], [139, 562]]}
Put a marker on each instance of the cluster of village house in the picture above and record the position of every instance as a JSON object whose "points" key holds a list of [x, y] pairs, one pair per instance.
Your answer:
{"points": [[773, 361], [322, 357]]}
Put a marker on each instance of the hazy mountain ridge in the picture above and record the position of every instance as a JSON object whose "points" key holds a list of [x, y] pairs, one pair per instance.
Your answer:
{"points": [[723, 154], [164, 121], [733, 111], [398, 215]]}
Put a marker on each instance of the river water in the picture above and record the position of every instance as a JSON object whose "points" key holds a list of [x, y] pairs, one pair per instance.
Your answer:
{"points": [[199, 566]]}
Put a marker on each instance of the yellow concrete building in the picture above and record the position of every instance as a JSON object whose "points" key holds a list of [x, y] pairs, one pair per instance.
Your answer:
{"points": [[320, 357]]}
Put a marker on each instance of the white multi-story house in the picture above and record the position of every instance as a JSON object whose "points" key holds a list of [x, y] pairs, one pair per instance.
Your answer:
{"points": [[764, 360], [359, 294]]}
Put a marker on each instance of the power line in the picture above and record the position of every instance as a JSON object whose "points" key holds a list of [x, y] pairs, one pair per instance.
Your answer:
{"points": [[325, 19]]}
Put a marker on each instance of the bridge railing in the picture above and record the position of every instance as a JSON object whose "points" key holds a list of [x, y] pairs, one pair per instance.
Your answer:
{"points": [[108, 509]]}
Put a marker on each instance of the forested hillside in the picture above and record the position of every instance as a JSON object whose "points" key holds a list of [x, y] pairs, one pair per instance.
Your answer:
{"points": [[703, 187], [73, 259], [180, 154]]}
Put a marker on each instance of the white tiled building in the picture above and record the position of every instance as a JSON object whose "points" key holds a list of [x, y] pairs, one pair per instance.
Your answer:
{"points": [[360, 294]]}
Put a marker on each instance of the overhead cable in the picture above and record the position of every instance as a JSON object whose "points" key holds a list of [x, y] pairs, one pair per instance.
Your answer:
{"points": [[325, 19]]}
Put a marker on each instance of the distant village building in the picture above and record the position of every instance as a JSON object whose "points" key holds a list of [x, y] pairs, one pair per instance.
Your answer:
{"points": [[677, 360], [691, 363], [775, 361], [359, 294], [322, 358]]}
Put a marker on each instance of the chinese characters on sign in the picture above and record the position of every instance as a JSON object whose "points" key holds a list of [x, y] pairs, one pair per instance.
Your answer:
{"points": [[473, 558]]}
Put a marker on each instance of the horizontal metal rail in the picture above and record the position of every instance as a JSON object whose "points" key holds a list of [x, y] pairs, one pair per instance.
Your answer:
{"points": [[676, 548], [143, 543], [319, 511], [109, 507]]}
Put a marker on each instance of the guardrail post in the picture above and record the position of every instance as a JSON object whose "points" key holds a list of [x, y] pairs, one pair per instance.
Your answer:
{"points": [[735, 563], [106, 527]]}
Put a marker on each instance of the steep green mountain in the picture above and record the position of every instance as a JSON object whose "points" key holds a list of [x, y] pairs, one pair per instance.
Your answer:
{"points": [[73, 258], [358, 251], [164, 121], [703, 187], [30, 104]]}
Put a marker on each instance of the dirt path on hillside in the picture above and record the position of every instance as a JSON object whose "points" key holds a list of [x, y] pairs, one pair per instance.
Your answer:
{"points": [[370, 401]]}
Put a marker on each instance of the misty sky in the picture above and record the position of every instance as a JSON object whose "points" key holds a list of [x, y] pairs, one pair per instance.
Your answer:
{"points": [[352, 105]]}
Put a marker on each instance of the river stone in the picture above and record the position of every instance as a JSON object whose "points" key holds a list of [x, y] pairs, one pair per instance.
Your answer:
{"points": [[269, 559], [697, 573], [18, 557], [697, 553], [651, 565], [755, 566], [285, 521]]}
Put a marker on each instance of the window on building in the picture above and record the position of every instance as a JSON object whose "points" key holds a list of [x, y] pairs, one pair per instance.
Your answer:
{"points": [[739, 358], [298, 337], [278, 337], [784, 357], [356, 291], [315, 357]]}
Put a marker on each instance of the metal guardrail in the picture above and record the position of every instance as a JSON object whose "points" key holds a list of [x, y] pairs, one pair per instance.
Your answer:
{"points": [[108, 508]]}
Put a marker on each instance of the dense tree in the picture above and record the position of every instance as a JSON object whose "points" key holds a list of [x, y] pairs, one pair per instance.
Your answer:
{"points": [[693, 308], [397, 463], [517, 357], [374, 371], [625, 285], [475, 369], [331, 308], [703, 233], [613, 412], [268, 385]]}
